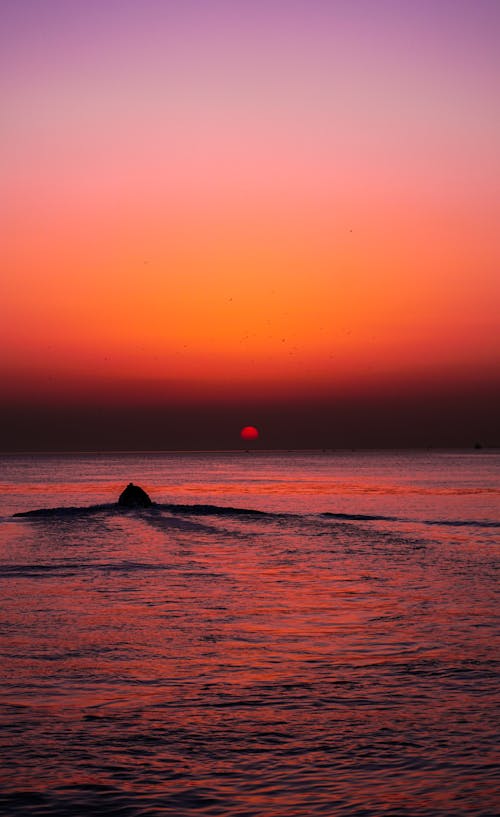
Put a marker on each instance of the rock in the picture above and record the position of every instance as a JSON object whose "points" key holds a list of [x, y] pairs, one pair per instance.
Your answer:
{"points": [[134, 497]]}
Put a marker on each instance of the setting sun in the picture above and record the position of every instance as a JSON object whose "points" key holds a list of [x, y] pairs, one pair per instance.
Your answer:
{"points": [[249, 433]]}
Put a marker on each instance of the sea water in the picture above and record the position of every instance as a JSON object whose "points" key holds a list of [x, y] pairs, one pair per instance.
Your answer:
{"points": [[280, 635]]}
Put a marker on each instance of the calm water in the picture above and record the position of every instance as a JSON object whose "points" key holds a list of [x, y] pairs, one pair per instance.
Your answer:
{"points": [[333, 655]]}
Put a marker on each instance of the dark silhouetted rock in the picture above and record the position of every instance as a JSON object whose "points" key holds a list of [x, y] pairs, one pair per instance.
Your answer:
{"points": [[134, 497]]}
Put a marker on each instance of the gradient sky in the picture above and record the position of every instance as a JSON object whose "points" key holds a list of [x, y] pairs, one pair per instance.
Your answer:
{"points": [[281, 213]]}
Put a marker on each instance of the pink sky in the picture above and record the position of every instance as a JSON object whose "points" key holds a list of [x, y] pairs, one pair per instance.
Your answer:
{"points": [[238, 196]]}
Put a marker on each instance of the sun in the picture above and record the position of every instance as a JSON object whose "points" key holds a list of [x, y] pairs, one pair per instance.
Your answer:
{"points": [[249, 433]]}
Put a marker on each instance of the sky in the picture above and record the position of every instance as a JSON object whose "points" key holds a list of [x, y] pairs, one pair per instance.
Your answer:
{"points": [[279, 213]]}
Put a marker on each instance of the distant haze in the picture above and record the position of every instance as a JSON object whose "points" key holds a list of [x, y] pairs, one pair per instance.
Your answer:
{"points": [[282, 214]]}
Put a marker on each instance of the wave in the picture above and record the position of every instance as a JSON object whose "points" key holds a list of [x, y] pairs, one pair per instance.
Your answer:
{"points": [[458, 523], [361, 517], [113, 507], [228, 511], [217, 510], [70, 511]]}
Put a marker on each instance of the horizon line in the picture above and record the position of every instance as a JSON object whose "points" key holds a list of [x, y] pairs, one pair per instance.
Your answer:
{"points": [[248, 450]]}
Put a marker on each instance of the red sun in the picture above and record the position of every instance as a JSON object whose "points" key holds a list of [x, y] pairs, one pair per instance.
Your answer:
{"points": [[249, 433]]}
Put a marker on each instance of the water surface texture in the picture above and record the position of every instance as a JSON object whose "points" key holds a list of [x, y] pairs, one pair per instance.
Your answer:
{"points": [[334, 654]]}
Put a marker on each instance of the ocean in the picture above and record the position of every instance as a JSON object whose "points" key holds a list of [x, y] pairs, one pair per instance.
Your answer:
{"points": [[280, 635]]}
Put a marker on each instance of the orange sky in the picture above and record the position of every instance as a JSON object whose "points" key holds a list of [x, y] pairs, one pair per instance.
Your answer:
{"points": [[232, 204]]}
